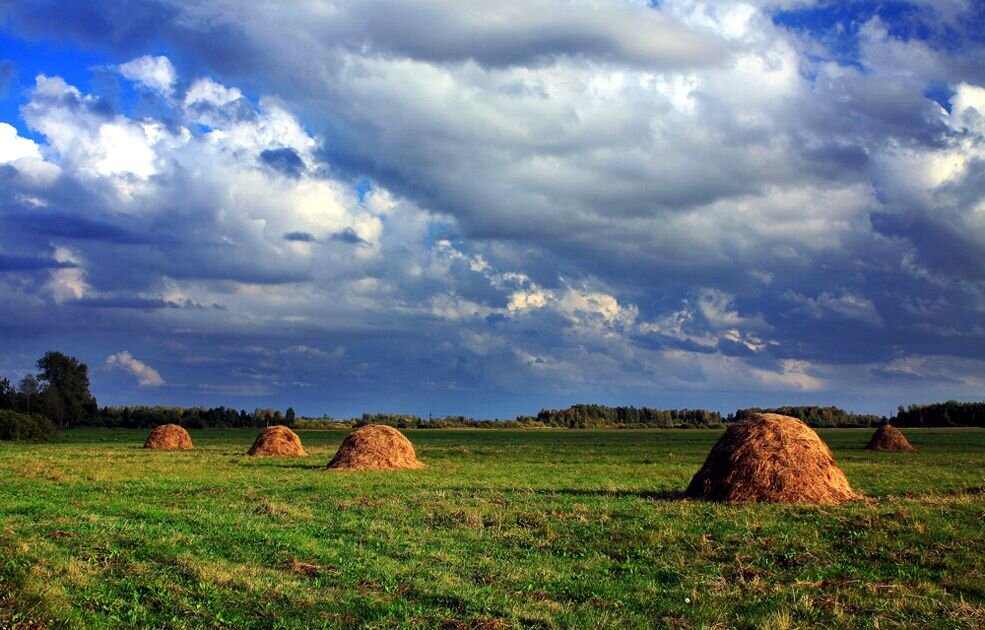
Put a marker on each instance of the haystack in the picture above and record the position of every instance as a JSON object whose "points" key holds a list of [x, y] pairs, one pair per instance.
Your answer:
{"points": [[375, 447], [889, 438], [169, 437], [277, 441], [770, 458]]}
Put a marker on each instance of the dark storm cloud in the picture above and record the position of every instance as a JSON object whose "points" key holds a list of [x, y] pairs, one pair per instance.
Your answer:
{"points": [[300, 237], [126, 302], [349, 237], [284, 160], [29, 263], [72, 226], [123, 25]]}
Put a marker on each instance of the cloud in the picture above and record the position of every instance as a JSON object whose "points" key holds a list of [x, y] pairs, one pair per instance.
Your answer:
{"points": [[29, 263], [844, 305], [286, 161], [348, 236], [145, 374], [300, 237], [545, 198], [156, 73], [93, 142], [67, 277], [13, 147], [8, 72]]}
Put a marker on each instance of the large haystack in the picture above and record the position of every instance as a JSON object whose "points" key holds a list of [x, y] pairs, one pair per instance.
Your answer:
{"points": [[375, 447], [277, 441], [771, 458], [889, 438], [169, 437]]}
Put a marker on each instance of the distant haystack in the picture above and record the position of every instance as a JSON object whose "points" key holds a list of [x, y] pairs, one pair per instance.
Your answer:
{"points": [[889, 438], [277, 441], [169, 437], [375, 447], [771, 458]]}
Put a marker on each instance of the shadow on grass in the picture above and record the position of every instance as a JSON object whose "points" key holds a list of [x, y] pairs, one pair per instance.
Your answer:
{"points": [[663, 495], [292, 465]]}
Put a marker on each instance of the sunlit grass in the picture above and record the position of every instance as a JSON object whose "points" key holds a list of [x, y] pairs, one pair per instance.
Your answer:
{"points": [[527, 528]]}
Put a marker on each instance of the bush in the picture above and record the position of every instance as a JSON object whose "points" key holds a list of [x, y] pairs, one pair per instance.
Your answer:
{"points": [[23, 427]]}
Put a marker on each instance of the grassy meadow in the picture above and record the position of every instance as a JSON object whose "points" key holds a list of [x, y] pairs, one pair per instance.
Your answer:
{"points": [[503, 529]]}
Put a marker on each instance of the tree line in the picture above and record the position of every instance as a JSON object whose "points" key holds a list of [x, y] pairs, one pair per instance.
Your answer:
{"points": [[946, 414], [59, 391], [141, 416], [816, 416], [58, 396]]}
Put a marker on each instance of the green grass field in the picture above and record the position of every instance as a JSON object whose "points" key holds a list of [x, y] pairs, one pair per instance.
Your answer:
{"points": [[504, 529]]}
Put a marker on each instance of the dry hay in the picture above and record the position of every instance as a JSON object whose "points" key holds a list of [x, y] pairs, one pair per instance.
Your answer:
{"points": [[889, 438], [277, 441], [169, 437], [770, 458], [375, 447]]}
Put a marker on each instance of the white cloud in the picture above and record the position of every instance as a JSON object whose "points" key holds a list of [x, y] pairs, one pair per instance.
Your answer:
{"points": [[146, 375], [968, 108], [156, 73], [208, 92], [68, 283], [793, 374], [91, 143], [13, 147]]}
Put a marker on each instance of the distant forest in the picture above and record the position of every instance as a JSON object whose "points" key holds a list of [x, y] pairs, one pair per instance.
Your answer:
{"points": [[60, 394], [947, 414]]}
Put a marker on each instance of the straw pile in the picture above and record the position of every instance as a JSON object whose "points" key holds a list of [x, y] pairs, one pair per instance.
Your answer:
{"points": [[771, 458], [169, 437], [889, 438], [375, 447], [277, 441]]}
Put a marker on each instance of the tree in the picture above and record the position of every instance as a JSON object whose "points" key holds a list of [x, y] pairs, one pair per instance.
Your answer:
{"points": [[65, 380], [7, 394], [28, 390], [289, 416], [26, 427]]}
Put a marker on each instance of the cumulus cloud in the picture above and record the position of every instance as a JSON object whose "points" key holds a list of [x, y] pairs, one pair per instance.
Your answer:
{"points": [[13, 147], [156, 73], [68, 277], [575, 197], [145, 374]]}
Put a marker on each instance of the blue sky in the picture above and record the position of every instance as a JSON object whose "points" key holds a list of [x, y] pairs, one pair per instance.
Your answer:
{"points": [[420, 207]]}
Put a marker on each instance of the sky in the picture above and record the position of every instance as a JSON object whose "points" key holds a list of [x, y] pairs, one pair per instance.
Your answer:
{"points": [[447, 207]]}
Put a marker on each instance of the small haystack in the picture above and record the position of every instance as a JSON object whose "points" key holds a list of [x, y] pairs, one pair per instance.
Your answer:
{"points": [[277, 441], [375, 447], [770, 458], [889, 438], [169, 437]]}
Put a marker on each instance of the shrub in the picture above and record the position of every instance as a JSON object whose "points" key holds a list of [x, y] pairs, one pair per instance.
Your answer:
{"points": [[23, 427]]}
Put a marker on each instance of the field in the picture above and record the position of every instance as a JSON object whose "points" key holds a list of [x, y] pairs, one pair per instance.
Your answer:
{"points": [[504, 529]]}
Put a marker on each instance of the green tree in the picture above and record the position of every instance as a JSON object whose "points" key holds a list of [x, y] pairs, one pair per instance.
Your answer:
{"points": [[7, 394], [289, 416], [65, 388], [28, 390]]}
